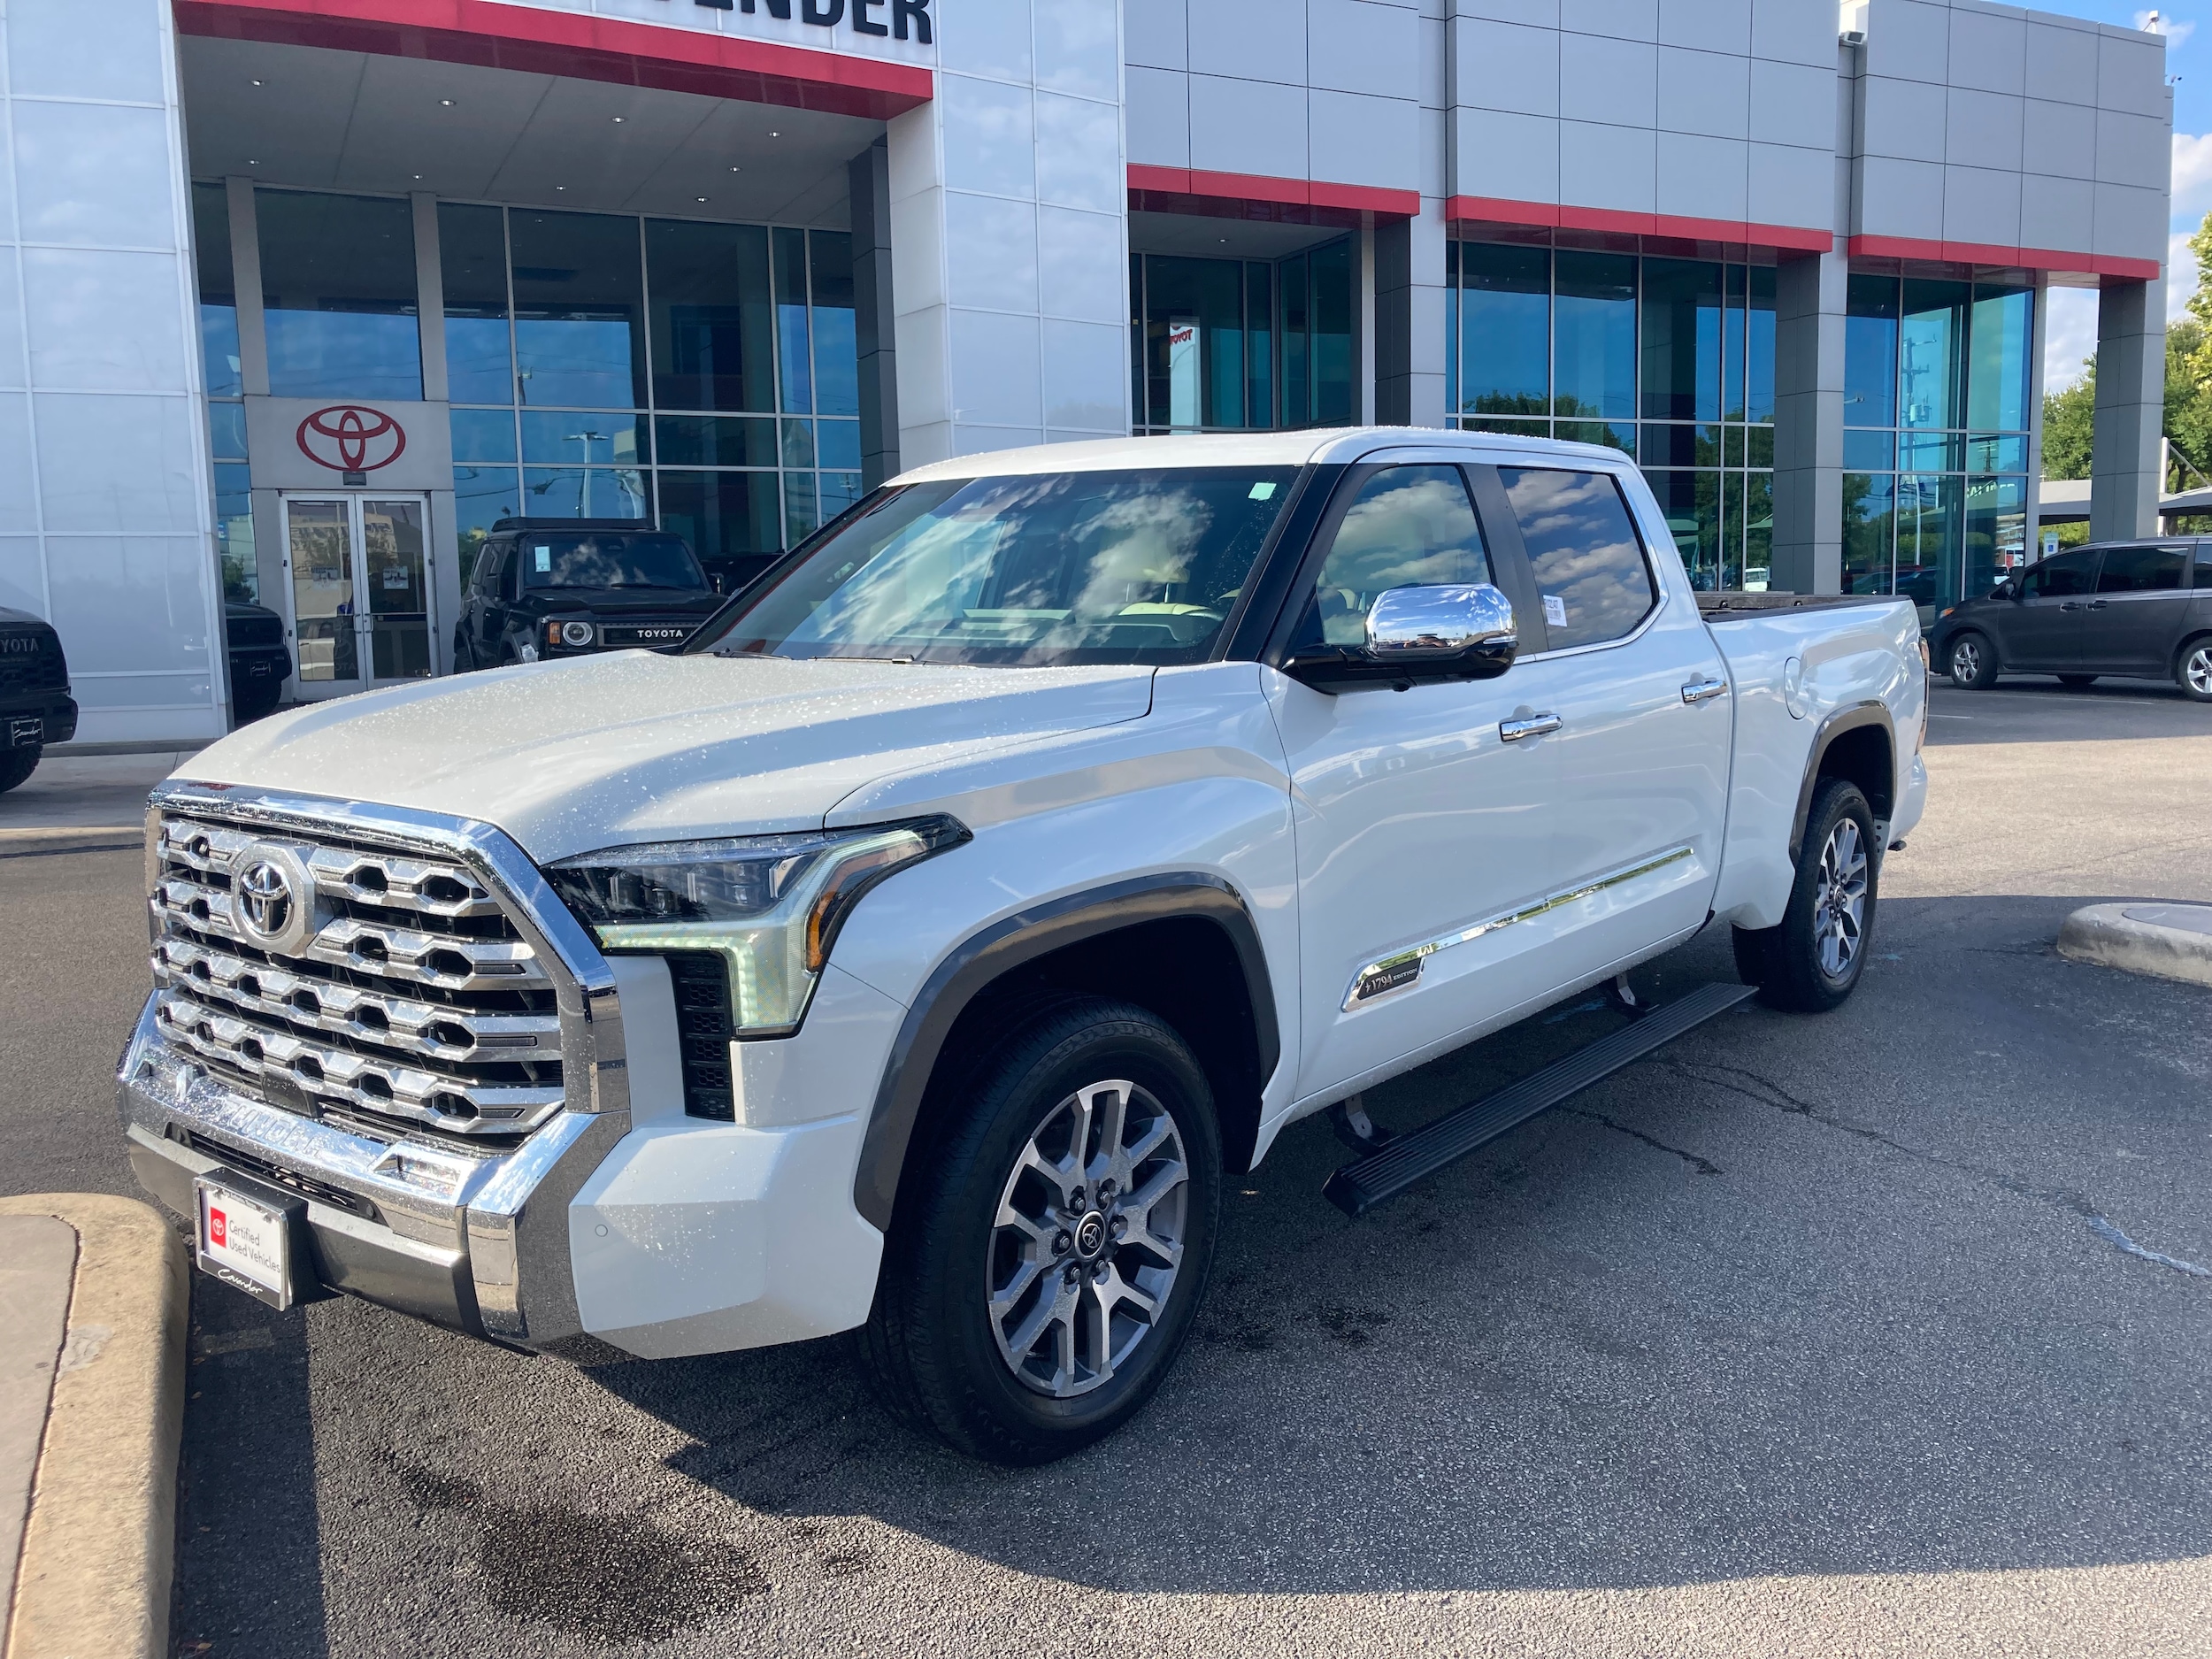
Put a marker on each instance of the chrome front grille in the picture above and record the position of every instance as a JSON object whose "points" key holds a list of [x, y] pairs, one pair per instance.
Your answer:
{"points": [[409, 1002]]}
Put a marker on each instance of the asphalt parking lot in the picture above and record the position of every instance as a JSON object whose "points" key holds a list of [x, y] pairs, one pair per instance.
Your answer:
{"points": [[1882, 1332]]}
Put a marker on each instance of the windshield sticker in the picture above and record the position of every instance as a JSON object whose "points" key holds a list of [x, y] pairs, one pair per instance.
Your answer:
{"points": [[1555, 609], [545, 559], [1262, 492]]}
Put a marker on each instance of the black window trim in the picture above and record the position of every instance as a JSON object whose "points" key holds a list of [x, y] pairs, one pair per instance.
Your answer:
{"points": [[1503, 548]]}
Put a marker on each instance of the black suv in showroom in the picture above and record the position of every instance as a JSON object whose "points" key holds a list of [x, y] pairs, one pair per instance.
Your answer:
{"points": [[35, 707], [549, 588], [260, 662]]}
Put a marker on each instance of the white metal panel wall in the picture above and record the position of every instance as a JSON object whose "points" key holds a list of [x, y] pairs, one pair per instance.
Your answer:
{"points": [[1009, 233], [1985, 125], [106, 514]]}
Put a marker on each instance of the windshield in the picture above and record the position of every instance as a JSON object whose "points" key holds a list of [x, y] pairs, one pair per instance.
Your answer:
{"points": [[1048, 570], [607, 558]]}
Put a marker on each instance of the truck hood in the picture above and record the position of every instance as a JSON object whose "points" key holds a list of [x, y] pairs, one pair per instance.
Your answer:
{"points": [[570, 756]]}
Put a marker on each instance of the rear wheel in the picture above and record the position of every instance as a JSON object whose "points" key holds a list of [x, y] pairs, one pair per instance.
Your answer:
{"points": [[2077, 682], [16, 764], [1049, 1257], [1970, 663], [2193, 670], [1811, 961], [251, 701]]}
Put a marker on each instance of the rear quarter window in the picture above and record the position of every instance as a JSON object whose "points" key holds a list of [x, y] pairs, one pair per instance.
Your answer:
{"points": [[1589, 562]]}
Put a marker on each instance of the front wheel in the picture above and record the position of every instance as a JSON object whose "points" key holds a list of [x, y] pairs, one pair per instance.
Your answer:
{"points": [[1048, 1258], [1970, 663], [16, 764], [2193, 670], [1811, 961]]}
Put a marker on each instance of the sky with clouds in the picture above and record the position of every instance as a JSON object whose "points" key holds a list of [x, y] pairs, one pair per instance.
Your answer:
{"points": [[2071, 329]]}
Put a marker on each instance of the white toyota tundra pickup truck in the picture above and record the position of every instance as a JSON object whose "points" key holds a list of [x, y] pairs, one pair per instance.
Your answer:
{"points": [[922, 946]]}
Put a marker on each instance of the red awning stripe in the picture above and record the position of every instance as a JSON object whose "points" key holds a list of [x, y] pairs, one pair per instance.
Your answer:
{"points": [[534, 39]]}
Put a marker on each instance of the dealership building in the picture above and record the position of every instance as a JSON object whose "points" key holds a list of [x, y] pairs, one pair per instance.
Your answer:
{"points": [[301, 295]]}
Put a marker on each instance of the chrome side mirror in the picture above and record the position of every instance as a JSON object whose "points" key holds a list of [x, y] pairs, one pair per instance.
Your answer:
{"points": [[1419, 635], [1415, 624]]}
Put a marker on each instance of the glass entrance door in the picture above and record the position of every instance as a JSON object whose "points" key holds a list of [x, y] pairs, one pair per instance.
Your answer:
{"points": [[360, 590]]}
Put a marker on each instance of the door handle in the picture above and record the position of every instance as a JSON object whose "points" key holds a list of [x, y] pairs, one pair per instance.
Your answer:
{"points": [[2097, 604], [1535, 725], [1699, 690], [2069, 605]]}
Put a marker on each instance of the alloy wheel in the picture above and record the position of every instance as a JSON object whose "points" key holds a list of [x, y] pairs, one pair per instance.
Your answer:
{"points": [[1088, 1237], [1966, 660], [2198, 671], [1840, 911]]}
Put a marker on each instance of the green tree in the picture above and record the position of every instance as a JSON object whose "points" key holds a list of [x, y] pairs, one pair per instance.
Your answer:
{"points": [[2070, 420]]}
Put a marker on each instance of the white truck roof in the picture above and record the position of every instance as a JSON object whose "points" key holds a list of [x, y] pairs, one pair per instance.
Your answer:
{"points": [[1302, 448]]}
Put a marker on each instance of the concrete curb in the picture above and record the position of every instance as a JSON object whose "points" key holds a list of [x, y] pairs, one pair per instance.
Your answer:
{"points": [[2172, 942], [100, 1544]]}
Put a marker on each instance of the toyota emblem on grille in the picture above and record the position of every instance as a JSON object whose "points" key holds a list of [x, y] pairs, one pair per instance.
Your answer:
{"points": [[265, 899], [273, 901]]}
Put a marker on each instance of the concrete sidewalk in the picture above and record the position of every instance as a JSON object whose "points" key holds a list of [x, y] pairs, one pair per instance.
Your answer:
{"points": [[100, 792], [93, 1300]]}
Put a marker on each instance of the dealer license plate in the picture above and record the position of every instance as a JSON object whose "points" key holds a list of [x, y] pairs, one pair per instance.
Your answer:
{"points": [[246, 1244], [25, 730]]}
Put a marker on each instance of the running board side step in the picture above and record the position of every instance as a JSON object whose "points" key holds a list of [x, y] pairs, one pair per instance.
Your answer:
{"points": [[1360, 1184]]}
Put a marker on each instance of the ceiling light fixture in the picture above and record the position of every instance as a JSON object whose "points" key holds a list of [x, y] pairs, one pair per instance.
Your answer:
{"points": [[617, 120], [256, 83], [447, 103], [698, 198], [775, 134]]}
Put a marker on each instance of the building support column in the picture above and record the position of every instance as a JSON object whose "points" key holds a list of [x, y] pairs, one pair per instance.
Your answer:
{"points": [[1409, 300], [2124, 459], [876, 322], [1808, 327]]}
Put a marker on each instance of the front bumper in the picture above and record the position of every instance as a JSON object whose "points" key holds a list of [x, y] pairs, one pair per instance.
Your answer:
{"points": [[479, 1245], [46, 721]]}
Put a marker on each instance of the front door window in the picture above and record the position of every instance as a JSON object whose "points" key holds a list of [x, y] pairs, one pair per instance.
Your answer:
{"points": [[360, 591]]}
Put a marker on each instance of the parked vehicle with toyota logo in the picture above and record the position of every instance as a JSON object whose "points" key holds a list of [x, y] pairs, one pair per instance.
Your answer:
{"points": [[35, 707], [544, 588], [929, 945]]}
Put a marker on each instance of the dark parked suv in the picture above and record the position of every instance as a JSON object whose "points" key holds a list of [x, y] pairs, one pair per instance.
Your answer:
{"points": [[35, 707], [2142, 609], [545, 587], [260, 662]]}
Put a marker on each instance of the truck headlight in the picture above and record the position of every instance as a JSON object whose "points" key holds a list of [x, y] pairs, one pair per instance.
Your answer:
{"points": [[769, 905], [574, 634]]}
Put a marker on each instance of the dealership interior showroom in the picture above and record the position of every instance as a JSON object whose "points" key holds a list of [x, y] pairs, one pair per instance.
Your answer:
{"points": [[303, 295]]}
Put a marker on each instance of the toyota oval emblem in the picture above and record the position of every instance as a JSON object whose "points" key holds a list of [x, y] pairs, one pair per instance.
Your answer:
{"points": [[351, 438], [1090, 1235], [264, 900]]}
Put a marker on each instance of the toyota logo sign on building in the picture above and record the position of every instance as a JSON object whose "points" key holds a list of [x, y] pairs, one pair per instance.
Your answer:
{"points": [[352, 439]]}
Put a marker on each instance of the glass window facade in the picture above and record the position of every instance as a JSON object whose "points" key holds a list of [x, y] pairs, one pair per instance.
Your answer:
{"points": [[1938, 384], [1228, 345], [1668, 360], [338, 295], [701, 376], [225, 409]]}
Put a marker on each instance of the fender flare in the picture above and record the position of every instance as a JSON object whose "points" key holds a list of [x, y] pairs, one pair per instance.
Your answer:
{"points": [[1849, 719], [970, 966]]}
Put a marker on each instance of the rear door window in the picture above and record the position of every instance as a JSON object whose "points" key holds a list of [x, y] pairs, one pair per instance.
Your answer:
{"points": [[1589, 562], [2143, 570]]}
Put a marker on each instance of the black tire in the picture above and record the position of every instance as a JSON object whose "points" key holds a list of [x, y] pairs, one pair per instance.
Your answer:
{"points": [[2193, 669], [1786, 962], [2077, 682], [254, 702], [16, 764], [1970, 661], [932, 1344]]}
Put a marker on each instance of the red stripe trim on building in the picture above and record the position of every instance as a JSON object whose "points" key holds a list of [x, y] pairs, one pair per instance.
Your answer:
{"points": [[2103, 265], [534, 40], [1232, 188], [1487, 210]]}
